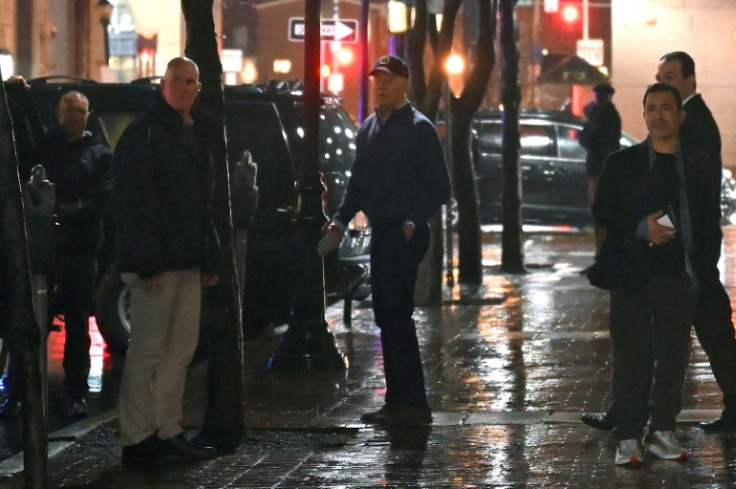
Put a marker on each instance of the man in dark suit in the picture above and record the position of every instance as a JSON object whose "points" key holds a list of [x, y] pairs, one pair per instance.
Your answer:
{"points": [[712, 320], [655, 199]]}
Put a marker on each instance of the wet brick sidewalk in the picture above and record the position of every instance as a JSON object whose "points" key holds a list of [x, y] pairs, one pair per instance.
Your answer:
{"points": [[510, 367]]}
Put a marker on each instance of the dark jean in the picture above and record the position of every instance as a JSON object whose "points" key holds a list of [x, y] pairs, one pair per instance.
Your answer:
{"points": [[75, 282], [650, 332], [715, 332], [394, 265]]}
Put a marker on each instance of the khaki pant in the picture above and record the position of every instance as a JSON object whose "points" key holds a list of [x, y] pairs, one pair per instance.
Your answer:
{"points": [[164, 324]]}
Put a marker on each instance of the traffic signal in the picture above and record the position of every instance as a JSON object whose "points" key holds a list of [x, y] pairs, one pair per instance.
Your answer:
{"points": [[570, 15]]}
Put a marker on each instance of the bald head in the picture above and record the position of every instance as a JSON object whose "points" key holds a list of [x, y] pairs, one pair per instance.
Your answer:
{"points": [[72, 113], [180, 85], [182, 61]]}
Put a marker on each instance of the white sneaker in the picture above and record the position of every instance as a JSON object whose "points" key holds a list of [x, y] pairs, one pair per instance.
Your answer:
{"points": [[663, 444], [628, 452]]}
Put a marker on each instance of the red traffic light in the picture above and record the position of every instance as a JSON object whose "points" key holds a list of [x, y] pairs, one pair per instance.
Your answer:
{"points": [[570, 14]]}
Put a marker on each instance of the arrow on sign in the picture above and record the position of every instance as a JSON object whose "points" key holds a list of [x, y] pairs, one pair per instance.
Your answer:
{"points": [[343, 30]]}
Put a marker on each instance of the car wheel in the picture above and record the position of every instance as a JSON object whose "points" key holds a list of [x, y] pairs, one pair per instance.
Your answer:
{"points": [[112, 311]]}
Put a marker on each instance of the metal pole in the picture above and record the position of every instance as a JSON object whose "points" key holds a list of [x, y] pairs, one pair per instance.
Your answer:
{"points": [[536, 53], [449, 275], [105, 23], [585, 20], [307, 345], [39, 284], [363, 33]]}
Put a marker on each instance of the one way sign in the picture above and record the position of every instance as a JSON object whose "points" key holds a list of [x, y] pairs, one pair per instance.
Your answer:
{"points": [[342, 30]]}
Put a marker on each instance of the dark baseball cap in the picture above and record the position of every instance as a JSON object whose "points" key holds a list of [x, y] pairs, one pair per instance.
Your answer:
{"points": [[390, 64], [605, 88]]}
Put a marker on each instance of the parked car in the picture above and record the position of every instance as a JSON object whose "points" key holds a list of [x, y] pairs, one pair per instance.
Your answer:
{"points": [[267, 122], [554, 181]]}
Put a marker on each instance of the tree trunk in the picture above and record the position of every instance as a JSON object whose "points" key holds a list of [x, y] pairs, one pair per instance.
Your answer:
{"points": [[24, 330], [470, 266], [224, 418], [426, 97], [512, 254]]}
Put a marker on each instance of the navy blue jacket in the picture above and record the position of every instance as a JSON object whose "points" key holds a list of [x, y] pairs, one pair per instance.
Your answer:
{"points": [[399, 171], [162, 198]]}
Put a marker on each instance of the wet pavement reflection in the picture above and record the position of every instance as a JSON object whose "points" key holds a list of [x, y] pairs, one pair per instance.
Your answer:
{"points": [[510, 366]]}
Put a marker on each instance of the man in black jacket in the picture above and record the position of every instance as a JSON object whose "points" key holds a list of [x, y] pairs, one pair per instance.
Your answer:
{"points": [[600, 136], [399, 179], [164, 251], [656, 200], [80, 166], [712, 321]]}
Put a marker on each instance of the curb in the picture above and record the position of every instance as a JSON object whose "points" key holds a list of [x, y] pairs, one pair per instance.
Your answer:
{"points": [[60, 440]]}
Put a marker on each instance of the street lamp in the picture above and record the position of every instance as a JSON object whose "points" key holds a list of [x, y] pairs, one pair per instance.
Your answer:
{"points": [[104, 11], [454, 65], [6, 63], [399, 22]]}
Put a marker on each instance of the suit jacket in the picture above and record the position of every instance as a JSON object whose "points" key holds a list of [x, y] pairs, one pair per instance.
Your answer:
{"points": [[621, 203], [699, 130]]}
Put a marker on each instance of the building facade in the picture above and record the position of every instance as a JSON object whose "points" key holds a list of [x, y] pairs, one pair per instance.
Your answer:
{"points": [[645, 30]]}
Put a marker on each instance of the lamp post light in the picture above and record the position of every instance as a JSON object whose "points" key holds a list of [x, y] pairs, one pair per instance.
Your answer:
{"points": [[398, 24], [104, 11], [454, 65], [6, 63]]}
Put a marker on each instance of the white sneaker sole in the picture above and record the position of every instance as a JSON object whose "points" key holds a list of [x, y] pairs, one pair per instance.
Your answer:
{"points": [[633, 460], [657, 452]]}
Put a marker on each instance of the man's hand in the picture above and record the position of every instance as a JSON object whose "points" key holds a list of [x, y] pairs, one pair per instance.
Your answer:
{"points": [[656, 233], [210, 280], [18, 80], [330, 241]]}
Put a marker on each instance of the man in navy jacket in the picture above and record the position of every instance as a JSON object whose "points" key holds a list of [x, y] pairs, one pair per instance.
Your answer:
{"points": [[399, 180]]}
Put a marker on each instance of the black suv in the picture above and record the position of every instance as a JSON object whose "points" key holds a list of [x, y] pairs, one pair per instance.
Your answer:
{"points": [[267, 122]]}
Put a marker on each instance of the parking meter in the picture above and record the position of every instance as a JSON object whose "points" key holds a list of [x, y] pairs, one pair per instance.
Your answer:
{"points": [[39, 199], [244, 202]]}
